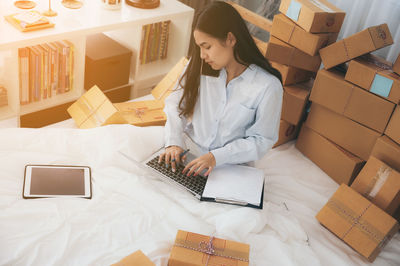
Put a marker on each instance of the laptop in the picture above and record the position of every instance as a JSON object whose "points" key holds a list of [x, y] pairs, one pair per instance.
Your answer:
{"points": [[222, 185]]}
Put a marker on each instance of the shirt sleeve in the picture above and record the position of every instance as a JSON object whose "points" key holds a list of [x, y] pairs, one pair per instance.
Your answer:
{"points": [[260, 136], [174, 126]]}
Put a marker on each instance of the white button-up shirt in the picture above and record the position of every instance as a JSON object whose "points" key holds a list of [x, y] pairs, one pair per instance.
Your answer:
{"points": [[238, 122]]}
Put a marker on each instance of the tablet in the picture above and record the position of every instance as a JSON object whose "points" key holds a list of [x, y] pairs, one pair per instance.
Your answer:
{"points": [[50, 181]]}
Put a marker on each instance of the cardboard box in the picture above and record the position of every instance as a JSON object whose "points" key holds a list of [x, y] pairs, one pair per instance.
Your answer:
{"points": [[193, 249], [393, 128], [287, 132], [169, 82], [286, 30], [387, 151], [313, 16], [143, 113], [295, 98], [339, 164], [292, 75], [380, 184], [375, 74], [396, 65], [358, 222], [93, 109], [135, 259], [350, 135], [286, 54], [363, 42], [333, 92], [107, 62]]}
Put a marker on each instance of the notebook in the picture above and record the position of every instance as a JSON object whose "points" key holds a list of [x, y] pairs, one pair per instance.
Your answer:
{"points": [[230, 184]]}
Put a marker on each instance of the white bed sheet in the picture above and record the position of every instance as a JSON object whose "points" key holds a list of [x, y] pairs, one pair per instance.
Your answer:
{"points": [[133, 209]]}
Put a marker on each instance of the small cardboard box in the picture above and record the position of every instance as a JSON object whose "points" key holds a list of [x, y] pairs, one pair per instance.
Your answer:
{"points": [[287, 132], [169, 82], [295, 98], [94, 109], [357, 222], [195, 249], [143, 113], [363, 42], [292, 75], [286, 30], [387, 151], [393, 128], [339, 164], [380, 184], [333, 92], [375, 74], [313, 16], [135, 259], [107, 62], [286, 54], [396, 65], [350, 135]]}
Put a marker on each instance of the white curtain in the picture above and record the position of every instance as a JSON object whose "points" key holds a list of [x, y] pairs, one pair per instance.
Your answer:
{"points": [[361, 14]]}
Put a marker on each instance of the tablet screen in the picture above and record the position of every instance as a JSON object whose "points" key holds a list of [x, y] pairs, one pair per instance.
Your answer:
{"points": [[49, 181]]}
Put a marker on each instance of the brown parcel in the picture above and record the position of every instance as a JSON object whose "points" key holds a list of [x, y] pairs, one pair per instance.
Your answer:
{"points": [[387, 151], [363, 42], [143, 113], [316, 16], [135, 259], [286, 30], [107, 62], [295, 98], [292, 75], [358, 222], [393, 128], [362, 71], [333, 92], [287, 132], [193, 249], [350, 135], [286, 54], [339, 164], [380, 184], [93, 109], [396, 65]]}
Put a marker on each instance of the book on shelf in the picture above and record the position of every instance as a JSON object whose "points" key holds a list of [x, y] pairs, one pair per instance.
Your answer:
{"points": [[45, 70], [29, 20], [154, 43]]}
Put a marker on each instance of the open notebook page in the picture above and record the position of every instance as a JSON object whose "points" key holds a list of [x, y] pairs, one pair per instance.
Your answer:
{"points": [[235, 182]]}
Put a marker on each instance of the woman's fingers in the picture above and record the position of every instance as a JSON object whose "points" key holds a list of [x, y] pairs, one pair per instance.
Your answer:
{"points": [[208, 171], [161, 158]]}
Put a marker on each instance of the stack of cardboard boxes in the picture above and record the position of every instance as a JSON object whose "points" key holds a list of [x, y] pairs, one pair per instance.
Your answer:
{"points": [[297, 35]]}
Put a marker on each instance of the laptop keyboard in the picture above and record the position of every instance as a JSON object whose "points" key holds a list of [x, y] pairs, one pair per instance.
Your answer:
{"points": [[194, 183]]}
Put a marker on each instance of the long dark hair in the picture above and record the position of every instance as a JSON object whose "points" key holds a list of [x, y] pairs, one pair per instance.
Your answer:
{"points": [[217, 20]]}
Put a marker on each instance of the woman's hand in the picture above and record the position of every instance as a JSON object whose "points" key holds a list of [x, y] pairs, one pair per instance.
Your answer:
{"points": [[172, 156], [201, 163]]}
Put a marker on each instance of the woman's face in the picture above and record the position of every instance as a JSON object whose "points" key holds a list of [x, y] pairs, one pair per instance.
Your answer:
{"points": [[214, 52]]}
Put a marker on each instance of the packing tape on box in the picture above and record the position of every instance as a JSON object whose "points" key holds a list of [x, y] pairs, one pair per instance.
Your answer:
{"points": [[378, 63], [92, 111], [377, 182], [356, 220], [209, 249]]}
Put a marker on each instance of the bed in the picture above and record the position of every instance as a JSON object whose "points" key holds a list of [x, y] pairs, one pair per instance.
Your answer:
{"points": [[134, 209]]}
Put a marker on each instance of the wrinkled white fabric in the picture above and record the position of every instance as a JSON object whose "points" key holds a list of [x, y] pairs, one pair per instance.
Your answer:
{"points": [[133, 209]]}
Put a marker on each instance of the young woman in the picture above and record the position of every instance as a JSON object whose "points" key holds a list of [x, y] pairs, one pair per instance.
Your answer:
{"points": [[228, 101]]}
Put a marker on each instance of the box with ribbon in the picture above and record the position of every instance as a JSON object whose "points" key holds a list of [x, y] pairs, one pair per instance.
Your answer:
{"points": [[380, 184], [143, 113], [358, 222], [375, 74], [94, 109], [195, 249], [363, 42]]}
